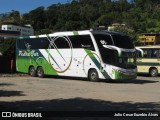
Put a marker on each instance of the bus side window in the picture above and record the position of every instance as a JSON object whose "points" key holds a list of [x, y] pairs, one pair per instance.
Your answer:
{"points": [[85, 41], [20, 44], [27, 44], [158, 54], [138, 54], [60, 43], [36, 43], [145, 53], [44, 43], [155, 53], [150, 53], [74, 41], [23, 44], [82, 41]]}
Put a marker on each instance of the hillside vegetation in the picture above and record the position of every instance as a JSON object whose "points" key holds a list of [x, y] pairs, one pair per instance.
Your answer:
{"points": [[140, 16]]}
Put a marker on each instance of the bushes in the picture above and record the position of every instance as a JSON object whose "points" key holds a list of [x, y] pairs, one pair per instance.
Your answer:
{"points": [[7, 47]]}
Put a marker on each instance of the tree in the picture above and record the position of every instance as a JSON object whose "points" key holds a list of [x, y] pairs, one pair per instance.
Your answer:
{"points": [[12, 17], [140, 16], [7, 47], [37, 17], [128, 32]]}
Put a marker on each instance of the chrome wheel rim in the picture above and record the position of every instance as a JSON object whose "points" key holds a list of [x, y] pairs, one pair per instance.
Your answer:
{"points": [[39, 72], [93, 76], [32, 71], [154, 72]]}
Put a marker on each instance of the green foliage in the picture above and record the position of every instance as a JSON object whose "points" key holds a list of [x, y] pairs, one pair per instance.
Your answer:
{"points": [[7, 47], [139, 16], [12, 17], [43, 31], [127, 31]]}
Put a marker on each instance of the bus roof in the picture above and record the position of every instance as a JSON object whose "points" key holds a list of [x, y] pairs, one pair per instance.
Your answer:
{"points": [[153, 46], [70, 33], [106, 32]]}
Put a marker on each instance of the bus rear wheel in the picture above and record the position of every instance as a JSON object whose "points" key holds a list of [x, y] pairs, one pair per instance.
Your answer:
{"points": [[93, 75], [32, 71], [40, 72], [153, 72]]}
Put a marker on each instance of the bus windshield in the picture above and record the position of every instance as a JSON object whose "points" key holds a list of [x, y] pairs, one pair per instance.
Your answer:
{"points": [[123, 41], [110, 56]]}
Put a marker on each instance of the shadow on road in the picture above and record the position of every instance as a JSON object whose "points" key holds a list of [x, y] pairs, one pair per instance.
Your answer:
{"points": [[137, 81], [5, 84], [80, 105], [4, 93]]}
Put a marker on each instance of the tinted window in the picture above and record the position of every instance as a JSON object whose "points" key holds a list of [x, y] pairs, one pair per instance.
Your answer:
{"points": [[108, 55], [123, 41], [138, 54], [102, 39], [78, 41], [82, 41], [151, 53], [33, 43], [145, 53], [60, 43]]}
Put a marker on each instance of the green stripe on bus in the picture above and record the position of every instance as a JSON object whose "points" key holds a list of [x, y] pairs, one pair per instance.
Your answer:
{"points": [[37, 36], [21, 37], [75, 33], [53, 58], [147, 64], [96, 62]]}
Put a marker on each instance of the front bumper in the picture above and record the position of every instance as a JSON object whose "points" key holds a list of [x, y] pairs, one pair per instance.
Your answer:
{"points": [[124, 75]]}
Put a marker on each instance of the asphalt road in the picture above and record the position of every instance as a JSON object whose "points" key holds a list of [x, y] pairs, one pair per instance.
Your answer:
{"points": [[51, 94]]}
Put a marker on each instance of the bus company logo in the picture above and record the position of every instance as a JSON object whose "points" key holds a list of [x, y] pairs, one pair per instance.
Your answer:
{"points": [[31, 53]]}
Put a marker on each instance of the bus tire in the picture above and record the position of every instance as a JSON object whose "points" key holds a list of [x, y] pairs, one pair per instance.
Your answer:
{"points": [[153, 72], [32, 71], [93, 75], [40, 72]]}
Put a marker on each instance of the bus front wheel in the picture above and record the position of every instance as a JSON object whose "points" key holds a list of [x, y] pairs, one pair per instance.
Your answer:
{"points": [[40, 72], [93, 75], [153, 72], [32, 71]]}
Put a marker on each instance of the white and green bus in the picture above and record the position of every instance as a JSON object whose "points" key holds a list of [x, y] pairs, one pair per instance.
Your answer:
{"points": [[149, 63], [89, 54]]}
